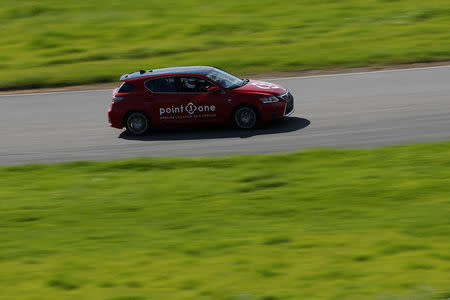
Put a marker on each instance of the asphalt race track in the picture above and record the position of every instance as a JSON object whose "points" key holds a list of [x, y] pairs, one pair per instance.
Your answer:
{"points": [[346, 110]]}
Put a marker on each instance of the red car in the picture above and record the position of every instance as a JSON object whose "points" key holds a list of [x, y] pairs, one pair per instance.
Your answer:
{"points": [[194, 95]]}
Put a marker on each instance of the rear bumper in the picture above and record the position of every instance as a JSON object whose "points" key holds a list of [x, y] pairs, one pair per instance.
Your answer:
{"points": [[115, 119]]}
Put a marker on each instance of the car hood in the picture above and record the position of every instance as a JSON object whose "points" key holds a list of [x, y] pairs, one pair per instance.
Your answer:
{"points": [[256, 86]]}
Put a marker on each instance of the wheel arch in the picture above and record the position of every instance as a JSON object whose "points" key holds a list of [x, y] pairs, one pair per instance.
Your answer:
{"points": [[236, 107]]}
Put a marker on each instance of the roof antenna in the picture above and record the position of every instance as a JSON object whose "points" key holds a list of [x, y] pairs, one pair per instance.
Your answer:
{"points": [[142, 71]]}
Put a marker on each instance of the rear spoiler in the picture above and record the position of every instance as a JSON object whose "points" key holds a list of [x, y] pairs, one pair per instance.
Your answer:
{"points": [[141, 73]]}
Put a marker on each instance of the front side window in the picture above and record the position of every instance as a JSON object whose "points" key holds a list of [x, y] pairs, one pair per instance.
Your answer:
{"points": [[193, 85]]}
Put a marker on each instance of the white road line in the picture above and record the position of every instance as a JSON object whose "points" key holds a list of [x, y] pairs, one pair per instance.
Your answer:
{"points": [[359, 73]]}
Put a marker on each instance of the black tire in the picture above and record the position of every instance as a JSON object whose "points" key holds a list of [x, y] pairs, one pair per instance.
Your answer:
{"points": [[137, 123], [245, 117]]}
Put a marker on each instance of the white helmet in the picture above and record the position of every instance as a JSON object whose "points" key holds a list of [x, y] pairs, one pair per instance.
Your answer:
{"points": [[190, 83]]}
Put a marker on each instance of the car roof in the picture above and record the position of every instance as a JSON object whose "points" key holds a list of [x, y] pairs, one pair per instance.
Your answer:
{"points": [[167, 71]]}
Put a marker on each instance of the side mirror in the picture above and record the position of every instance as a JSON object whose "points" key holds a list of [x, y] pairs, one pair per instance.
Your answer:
{"points": [[213, 90]]}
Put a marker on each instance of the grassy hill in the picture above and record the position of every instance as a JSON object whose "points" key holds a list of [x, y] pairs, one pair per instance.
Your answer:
{"points": [[317, 224], [53, 43]]}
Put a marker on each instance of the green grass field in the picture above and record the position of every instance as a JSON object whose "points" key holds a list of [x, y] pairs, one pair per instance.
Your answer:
{"points": [[317, 224], [54, 43]]}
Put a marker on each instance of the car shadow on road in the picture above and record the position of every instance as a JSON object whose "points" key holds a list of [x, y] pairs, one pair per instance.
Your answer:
{"points": [[279, 126]]}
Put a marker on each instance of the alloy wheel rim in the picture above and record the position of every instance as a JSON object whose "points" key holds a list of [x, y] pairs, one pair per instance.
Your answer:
{"points": [[245, 118], [137, 123]]}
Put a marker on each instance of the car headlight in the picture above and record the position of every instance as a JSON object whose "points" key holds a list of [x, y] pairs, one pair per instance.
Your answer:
{"points": [[268, 99]]}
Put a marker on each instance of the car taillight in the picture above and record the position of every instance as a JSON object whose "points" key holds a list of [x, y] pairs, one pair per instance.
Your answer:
{"points": [[117, 99]]}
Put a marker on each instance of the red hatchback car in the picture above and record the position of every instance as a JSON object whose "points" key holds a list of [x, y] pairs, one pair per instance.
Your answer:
{"points": [[194, 95]]}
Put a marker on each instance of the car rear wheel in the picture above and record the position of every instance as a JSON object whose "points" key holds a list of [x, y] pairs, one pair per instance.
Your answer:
{"points": [[137, 123], [245, 117]]}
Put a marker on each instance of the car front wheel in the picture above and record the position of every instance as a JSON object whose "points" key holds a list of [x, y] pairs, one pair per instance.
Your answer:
{"points": [[245, 117], [137, 123]]}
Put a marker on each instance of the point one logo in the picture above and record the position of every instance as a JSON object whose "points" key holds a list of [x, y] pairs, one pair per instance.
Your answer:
{"points": [[190, 108], [265, 85]]}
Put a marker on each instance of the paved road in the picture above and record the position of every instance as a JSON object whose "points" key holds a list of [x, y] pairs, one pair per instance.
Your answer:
{"points": [[346, 110]]}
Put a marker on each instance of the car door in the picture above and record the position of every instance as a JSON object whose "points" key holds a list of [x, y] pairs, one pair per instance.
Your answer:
{"points": [[204, 102], [167, 104]]}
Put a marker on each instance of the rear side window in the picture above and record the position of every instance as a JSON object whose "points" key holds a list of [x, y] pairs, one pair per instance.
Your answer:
{"points": [[162, 85], [125, 87]]}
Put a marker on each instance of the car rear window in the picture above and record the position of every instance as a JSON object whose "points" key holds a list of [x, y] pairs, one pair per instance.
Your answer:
{"points": [[125, 87], [162, 85]]}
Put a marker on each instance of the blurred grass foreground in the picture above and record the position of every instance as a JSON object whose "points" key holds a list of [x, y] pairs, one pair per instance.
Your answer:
{"points": [[55, 43], [317, 224]]}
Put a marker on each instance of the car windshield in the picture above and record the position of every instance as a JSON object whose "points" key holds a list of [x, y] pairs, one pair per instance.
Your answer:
{"points": [[226, 80]]}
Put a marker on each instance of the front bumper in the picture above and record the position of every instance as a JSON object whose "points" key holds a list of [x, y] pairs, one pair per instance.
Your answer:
{"points": [[278, 109], [289, 108]]}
